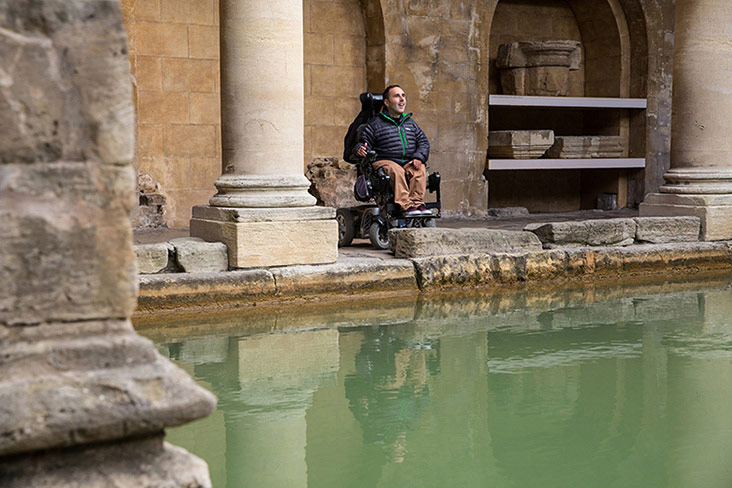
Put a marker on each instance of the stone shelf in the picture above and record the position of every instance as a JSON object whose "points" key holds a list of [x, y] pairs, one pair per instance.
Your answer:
{"points": [[594, 163], [565, 102]]}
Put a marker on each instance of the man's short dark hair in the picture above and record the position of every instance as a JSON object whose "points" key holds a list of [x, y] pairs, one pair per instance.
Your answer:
{"points": [[387, 90]]}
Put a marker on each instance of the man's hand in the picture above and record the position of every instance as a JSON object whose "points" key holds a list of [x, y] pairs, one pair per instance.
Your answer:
{"points": [[362, 150], [416, 163]]}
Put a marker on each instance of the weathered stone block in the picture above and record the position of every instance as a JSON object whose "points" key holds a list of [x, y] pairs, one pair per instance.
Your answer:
{"points": [[270, 237], [715, 211], [546, 265], [121, 387], [52, 112], [519, 144], [345, 276], [658, 230], [203, 290], [108, 465], [422, 242], [332, 182], [454, 271], [509, 267], [601, 232], [65, 246], [152, 258], [194, 255], [583, 147]]}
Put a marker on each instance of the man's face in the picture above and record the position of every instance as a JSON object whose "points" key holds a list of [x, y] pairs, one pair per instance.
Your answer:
{"points": [[396, 101]]}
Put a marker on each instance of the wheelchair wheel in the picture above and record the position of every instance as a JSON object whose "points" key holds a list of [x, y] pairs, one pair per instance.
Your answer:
{"points": [[346, 229], [379, 236]]}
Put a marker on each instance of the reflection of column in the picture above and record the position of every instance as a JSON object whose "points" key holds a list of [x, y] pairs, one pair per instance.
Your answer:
{"points": [[700, 179], [263, 211], [278, 374]]}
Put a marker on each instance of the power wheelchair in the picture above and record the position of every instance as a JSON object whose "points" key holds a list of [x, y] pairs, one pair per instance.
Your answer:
{"points": [[379, 212]]}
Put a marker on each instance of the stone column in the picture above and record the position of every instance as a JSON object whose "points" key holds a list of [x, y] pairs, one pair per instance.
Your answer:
{"points": [[263, 211], [84, 400], [700, 179]]}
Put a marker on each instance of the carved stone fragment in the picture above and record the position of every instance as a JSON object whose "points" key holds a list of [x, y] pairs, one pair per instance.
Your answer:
{"points": [[519, 144], [538, 68], [586, 147]]}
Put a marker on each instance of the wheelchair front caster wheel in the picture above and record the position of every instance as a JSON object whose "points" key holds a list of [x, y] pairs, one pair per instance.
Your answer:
{"points": [[379, 236], [346, 228]]}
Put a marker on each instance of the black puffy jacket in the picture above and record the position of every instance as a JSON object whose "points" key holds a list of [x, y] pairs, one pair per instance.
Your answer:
{"points": [[397, 140]]}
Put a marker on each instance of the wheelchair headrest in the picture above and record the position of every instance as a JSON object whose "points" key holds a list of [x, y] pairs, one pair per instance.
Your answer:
{"points": [[371, 103]]}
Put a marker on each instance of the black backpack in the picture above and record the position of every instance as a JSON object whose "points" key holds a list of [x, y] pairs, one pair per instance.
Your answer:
{"points": [[371, 104]]}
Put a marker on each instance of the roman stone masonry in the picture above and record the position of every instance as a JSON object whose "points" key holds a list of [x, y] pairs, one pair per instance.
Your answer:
{"points": [[699, 182], [538, 67], [519, 144], [573, 147], [263, 211], [84, 400]]}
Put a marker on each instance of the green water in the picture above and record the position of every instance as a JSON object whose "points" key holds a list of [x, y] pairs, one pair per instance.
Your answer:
{"points": [[608, 388]]}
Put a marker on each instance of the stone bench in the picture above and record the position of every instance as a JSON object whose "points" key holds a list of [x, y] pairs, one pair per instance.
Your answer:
{"points": [[184, 254], [616, 232]]}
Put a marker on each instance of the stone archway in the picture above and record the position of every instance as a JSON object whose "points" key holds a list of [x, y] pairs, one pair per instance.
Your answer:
{"points": [[614, 65]]}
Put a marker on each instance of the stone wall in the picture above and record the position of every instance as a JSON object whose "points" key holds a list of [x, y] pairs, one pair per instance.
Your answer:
{"points": [[442, 53], [84, 400], [174, 59], [335, 73]]}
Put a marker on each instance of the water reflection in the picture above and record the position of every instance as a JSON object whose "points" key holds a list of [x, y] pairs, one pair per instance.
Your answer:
{"points": [[633, 389]]}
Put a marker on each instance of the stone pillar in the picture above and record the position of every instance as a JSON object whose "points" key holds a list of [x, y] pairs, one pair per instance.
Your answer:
{"points": [[700, 179], [263, 211], [84, 400]]}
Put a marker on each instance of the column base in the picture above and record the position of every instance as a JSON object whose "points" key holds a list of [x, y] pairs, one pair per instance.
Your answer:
{"points": [[259, 237], [715, 211]]}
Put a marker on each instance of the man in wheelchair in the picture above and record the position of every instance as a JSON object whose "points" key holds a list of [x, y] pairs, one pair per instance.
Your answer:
{"points": [[389, 151], [401, 149]]}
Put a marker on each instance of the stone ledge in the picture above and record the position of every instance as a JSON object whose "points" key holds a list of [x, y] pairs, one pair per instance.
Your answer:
{"points": [[347, 275], [232, 288], [352, 276], [203, 290], [616, 232], [441, 272]]}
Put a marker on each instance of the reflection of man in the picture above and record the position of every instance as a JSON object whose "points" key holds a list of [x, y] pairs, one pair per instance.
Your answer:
{"points": [[389, 390], [401, 149]]}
